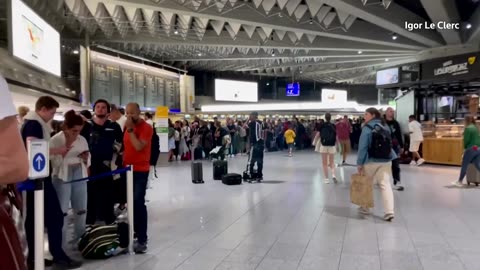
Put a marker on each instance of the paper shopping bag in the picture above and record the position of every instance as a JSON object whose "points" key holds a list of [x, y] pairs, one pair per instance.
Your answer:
{"points": [[361, 191]]}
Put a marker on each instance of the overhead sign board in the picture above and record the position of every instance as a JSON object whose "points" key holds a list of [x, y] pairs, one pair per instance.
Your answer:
{"points": [[293, 90], [38, 158], [463, 67]]}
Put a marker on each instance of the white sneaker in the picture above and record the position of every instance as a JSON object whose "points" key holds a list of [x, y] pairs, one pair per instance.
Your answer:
{"points": [[413, 162], [420, 161], [457, 184], [326, 181]]}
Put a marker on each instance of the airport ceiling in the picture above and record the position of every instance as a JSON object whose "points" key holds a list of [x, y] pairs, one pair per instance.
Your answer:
{"points": [[322, 40]]}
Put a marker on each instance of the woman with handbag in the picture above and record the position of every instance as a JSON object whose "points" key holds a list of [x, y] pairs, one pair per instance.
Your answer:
{"points": [[375, 155]]}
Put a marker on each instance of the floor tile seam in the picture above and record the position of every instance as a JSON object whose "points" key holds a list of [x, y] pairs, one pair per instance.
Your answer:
{"points": [[343, 244], [214, 217], [285, 227], [314, 229], [242, 215]]}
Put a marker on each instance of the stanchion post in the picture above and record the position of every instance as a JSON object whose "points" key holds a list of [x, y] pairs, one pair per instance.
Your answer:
{"points": [[130, 208], [39, 168], [39, 226]]}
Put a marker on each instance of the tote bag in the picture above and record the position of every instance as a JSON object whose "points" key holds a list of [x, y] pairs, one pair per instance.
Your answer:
{"points": [[361, 190]]}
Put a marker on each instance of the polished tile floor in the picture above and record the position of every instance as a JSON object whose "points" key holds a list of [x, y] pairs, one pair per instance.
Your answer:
{"points": [[295, 221]]}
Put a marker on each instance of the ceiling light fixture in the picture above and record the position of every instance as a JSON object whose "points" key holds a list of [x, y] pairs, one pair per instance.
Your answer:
{"points": [[75, 52], [311, 21], [394, 36], [386, 59], [268, 83], [176, 32], [199, 54], [273, 54], [360, 52], [468, 26]]}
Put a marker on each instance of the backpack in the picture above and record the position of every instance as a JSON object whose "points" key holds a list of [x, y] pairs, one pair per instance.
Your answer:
{"points": [[381, 144], [328, 135], [155, 149], [103, 241]]}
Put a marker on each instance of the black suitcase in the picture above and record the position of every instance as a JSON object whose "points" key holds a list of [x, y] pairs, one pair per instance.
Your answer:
{"points": [[220, 168], [198, 153], [232, 179], [197, 172]]}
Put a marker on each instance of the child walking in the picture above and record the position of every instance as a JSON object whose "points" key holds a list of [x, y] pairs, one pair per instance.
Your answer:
{"points": [[290, 138]]}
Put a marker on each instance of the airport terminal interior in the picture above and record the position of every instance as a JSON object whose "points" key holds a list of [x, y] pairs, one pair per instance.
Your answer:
{"points": [[258, 134]]}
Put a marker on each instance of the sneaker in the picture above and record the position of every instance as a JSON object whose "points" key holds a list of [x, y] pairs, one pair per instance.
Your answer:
{"points": [[140, 248], [388, 217], [420, 161], [334, 179], [457, 184], [67, 264], [327, 181], [290, 155], [399, 188], [363, 210], [413, 162]]}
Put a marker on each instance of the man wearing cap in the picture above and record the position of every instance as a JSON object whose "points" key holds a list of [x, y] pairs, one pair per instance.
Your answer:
{"points": [[257, 146]]}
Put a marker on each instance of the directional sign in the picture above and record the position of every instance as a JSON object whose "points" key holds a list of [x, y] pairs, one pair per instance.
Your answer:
{"points": [[38, 156]]}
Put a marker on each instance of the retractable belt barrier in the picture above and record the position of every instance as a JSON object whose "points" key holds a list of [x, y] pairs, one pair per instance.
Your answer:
{"points": [[39, 211]]}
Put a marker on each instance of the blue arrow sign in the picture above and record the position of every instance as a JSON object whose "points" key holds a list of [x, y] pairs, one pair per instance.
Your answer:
{"points": [[39, 161]]}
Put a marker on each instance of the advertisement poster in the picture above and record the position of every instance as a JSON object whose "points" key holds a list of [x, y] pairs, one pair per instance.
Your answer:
{"points": [[161, 123]]}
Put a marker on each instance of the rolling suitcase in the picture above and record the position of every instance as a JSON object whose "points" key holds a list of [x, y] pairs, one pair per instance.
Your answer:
{"points": [[197, 172], [473, 175], [232, 179], [220, 168]]}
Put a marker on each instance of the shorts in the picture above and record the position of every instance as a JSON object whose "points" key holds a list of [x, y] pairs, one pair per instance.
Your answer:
{"points": [[328, 149], [415, 146]]}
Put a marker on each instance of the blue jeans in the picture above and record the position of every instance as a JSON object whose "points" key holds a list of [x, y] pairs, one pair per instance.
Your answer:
{"points": [[74, 194], [469, 156], [140, 214]]}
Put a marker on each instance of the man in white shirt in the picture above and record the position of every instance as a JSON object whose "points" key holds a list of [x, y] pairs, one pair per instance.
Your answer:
{"points": [[416, 139], [118, 115]]}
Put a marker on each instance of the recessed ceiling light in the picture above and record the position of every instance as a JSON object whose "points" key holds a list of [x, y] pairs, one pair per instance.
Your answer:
{"points": [[360, 52], [199, 54], [176, 32], [394, 37], [75, 52], [468, 26], [273, 54], [268, 83], [386, 59]]}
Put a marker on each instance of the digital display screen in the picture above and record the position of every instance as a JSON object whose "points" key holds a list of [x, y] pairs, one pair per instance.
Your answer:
{"points": [[229, 90], [33, 40], [331, 96], [293, 90], [387, 76]]}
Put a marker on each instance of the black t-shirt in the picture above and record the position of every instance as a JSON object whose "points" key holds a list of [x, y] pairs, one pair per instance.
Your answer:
{"points": [[102, 140], [31, 128]]}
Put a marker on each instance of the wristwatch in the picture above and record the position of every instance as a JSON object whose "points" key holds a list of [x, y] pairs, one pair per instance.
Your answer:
{"points": [[130, 130]]}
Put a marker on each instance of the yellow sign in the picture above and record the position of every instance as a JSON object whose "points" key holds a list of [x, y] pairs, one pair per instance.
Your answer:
{"points": [[471, 60], [162, 112]]}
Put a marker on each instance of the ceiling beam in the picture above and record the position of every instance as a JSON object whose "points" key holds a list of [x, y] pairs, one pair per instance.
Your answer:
{"points": [[360, 31], [474, 37], [293, 56], [357, 76], [444, 11], [392, 19], [211, 39]]}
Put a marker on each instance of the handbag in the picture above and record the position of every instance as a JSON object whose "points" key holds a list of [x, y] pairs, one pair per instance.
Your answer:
{"points": [[361, 190], [12, 232]]}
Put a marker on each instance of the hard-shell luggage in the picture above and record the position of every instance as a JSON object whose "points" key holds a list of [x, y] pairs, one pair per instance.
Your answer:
{"points": [[220, 168], [232, 179], [197, 172], [473, 175], [198, 153]]}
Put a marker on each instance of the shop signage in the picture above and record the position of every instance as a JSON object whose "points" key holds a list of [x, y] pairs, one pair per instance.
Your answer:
{"points": [[456, 67]]}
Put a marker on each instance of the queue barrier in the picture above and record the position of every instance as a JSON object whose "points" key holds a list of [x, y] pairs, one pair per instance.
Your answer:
{"points": [[39, 208]]}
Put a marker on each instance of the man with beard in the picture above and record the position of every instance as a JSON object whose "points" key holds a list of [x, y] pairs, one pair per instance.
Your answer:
{"points": [[397, 145], [105, 140], [137, 141]]}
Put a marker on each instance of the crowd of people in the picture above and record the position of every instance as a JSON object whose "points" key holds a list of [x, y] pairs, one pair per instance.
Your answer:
{"points": [[86, 145]]}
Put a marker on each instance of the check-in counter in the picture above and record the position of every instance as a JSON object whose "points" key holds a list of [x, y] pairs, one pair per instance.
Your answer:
{"points": [[443, 143]]}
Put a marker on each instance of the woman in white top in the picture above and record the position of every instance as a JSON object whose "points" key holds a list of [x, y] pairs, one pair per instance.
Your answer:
{"points": [[71, 166]]}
